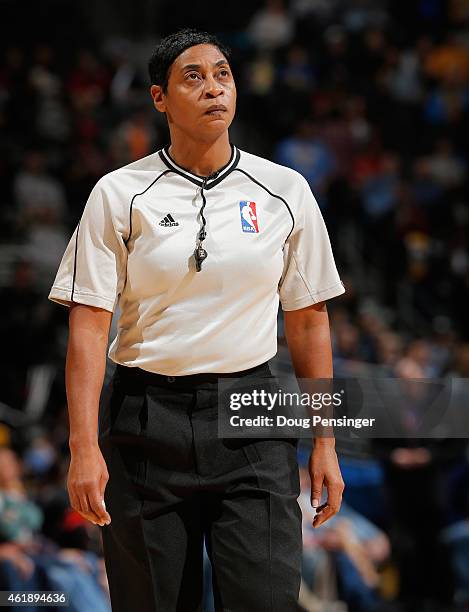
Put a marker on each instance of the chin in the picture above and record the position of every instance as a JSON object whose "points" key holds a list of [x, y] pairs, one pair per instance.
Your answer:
{"points": [[213, 131]]}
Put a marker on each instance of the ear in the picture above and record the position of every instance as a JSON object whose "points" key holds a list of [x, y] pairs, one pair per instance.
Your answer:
{"points": [[157, 94]]}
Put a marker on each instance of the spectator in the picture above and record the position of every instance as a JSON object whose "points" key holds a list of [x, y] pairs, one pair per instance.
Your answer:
{"points": [[271, 26], [30, 562], [370, 100], [358, 547], [307, 154], [36, 192]]}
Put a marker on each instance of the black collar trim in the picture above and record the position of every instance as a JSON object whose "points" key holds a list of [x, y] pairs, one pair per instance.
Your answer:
{"points": [[195, 178]]}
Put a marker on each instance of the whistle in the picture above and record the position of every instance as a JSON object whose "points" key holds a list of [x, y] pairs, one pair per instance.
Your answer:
{"points": [[199, 254]]}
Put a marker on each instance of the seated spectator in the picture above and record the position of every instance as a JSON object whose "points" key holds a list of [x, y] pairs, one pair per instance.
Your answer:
{"points": [[29, 561], [445, 167], [271, 26], [307, 154], [356, 545], [379, 193], [37, 192]]}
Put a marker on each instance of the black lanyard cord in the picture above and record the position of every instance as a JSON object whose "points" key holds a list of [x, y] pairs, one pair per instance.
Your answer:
{"points": [[202, 232], [200, 254]]}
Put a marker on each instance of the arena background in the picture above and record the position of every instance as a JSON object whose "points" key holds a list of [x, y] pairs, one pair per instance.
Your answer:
{"points": [[369, 100]]}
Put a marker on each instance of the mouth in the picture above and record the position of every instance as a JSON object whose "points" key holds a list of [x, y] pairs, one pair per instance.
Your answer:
{"points": [[216, 110]]}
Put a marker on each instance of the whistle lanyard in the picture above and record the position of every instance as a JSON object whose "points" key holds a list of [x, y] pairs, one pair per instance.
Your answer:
{"points": [[200, 254]]}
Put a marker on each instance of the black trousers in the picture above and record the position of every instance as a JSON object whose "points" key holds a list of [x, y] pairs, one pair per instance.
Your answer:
{"points": [[173, 482]]}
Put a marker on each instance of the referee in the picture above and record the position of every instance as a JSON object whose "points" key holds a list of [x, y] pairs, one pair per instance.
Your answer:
{"points": [[197, 243]]}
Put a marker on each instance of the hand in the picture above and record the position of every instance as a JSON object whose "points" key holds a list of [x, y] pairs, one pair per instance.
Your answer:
{"points": [[324, 471], [87, 478], [77, 557], [24, 564]]}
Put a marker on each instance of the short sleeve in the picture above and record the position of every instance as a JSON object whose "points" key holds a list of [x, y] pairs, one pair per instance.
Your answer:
{"points": [[93, 266], [309, 274]]}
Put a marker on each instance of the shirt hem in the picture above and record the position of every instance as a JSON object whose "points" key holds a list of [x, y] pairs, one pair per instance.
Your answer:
{"points": [[218, 370], [318, 296], [64, 298]]}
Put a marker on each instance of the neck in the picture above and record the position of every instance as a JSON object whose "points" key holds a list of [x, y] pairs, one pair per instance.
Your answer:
{"points": [[200, 158]]}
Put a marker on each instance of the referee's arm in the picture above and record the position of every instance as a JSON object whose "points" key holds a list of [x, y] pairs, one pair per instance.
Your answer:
{"points": [[309, 341], [84, 375]]}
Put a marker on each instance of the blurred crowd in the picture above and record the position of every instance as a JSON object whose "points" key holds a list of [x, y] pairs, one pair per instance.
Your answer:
{"points": [[369, 100]]}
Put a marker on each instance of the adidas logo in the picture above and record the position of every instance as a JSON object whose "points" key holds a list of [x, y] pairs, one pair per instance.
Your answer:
{"points": [[168, 221]]}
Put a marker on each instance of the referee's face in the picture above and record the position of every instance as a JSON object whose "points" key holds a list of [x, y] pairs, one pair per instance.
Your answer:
{"points": [[200, 100]]}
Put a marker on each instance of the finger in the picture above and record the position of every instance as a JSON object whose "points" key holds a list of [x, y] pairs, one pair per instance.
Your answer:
{"points": [[83, 501], [80, 505], [102, 487], [77, 506], [327, 510], [324, 516], [104, 506], [85, 509], [317, 481], [79, 501], [94, 507], [334, 494], [93, 517], [95, 502]]}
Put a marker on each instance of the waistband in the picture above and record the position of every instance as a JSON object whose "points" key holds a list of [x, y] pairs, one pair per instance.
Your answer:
{"points": [[134, 373]]}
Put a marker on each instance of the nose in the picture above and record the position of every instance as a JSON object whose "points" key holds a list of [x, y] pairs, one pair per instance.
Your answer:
{"points": [[212, 88]]}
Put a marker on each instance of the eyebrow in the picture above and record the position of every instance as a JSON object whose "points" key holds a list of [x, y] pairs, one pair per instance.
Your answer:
{"points": [[197, 66]]}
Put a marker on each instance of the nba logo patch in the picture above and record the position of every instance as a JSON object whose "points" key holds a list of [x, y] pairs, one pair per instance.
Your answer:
{"points": [[248, 213]]}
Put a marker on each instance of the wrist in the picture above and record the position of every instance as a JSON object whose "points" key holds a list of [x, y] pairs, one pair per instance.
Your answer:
{"points": [[79, 445], [324, 442]]}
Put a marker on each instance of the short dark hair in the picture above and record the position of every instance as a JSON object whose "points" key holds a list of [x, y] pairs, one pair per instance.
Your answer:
{"points": [[170, 47]]}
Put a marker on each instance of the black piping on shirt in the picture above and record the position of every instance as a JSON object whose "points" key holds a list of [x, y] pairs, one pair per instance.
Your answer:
{"points": [[195, 178], [132, 203], [274, 195]]}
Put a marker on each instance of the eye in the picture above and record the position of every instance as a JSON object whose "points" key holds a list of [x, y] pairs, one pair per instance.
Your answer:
{"points": [[224, 72], [192, 76]]}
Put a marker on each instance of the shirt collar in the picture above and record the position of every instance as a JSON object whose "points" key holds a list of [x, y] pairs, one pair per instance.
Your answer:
{"points": [[195, 178]]}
